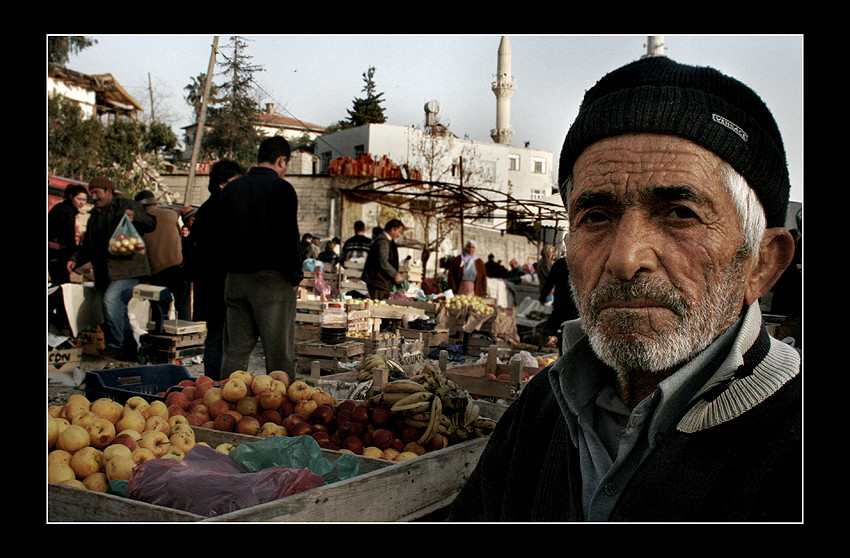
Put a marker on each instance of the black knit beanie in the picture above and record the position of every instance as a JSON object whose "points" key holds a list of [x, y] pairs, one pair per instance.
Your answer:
{"points": [[700, 104]]}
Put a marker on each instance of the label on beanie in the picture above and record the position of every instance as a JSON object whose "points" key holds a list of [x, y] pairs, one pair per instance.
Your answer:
{"points": [[731, 125]]}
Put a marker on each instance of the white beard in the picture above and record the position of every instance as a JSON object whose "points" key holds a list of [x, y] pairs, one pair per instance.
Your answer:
{"points": [[696, 323]]}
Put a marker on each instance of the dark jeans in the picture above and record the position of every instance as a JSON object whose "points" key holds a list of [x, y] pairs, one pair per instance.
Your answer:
{"points": [[259, 305]]}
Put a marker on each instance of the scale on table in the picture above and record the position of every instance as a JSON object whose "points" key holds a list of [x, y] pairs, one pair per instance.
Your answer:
{"points": [[159, 299]]}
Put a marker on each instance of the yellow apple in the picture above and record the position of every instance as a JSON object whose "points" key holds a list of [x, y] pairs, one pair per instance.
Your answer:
{"points": [[177, 419], [131, 420], [271, 429], [234, 390], [52, 431], [76, 404], [405, 455], [174, 453], [373, 451], [260, 383], [59, 456], [182, 427], [140, 455], [107, 408], [322, 398], [183, 441], [61, 424], [280, 386], [75, 483], [281, 376], [299, 390], [102, 432], [138, 403], [86, 461], [212, 395], [59, 473], [115, 450], [305, 407], [159, 409], [96, 482], [84, 419], [54, 410], [155, 441], [225, 447], [119, 468], [73, 438], [156, 422], [243, 375], [391, 454]]}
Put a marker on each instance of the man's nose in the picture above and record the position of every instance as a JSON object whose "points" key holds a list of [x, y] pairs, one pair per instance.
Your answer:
{"points": [[634, 247]]}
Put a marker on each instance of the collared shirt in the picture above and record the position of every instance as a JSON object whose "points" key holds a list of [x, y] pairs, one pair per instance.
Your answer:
{"points": [[613, 439]]}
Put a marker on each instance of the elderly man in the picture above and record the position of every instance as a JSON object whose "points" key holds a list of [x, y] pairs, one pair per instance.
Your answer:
{"points": [[671, 402]]}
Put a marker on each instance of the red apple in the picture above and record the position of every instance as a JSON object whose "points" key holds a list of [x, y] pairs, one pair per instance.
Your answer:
{"points": [[342, 416], [381, 416], [505, 377], [127, 440], [360, 413], [382, 438], [203, 379], [321, 436], [190, 392], [397, 444], [202, 389], [353, 444], [300, 429], [175, 410], [225, 422], [248, 425], [177, 398], [490, 376], [291, 420], [271, 415], [410, 434], [219, 407], [196, 420], [346, 405], [286, 408], [324, 414], [185, 383], [436, 442], [281, 376]]}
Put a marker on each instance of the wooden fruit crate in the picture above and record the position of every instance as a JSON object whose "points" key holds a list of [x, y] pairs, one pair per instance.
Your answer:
{"points": [[165, 348], [472, 377], [429, 338], [382, 491]]}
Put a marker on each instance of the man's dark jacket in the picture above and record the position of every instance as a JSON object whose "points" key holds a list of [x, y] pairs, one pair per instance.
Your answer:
{"points": [[381, 265], [259, 216]]}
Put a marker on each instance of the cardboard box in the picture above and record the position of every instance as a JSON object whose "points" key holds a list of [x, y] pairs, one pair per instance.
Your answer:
{"points": [[63, 360]]}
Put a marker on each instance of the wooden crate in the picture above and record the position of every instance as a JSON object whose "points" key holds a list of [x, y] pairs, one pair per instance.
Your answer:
{"points": [[165, 348], [328, 356], [383, 491], [429, 338], [63, 360], [472, 376]]}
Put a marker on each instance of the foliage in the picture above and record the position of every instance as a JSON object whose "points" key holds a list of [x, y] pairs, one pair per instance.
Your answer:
{"points": [[368, 110], [232, 133], [195, 93], [81, 148], [61, 47]]}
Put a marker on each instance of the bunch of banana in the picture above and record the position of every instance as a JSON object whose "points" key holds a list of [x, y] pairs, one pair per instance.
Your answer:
{"points": [[366, 366], [433, 402]]}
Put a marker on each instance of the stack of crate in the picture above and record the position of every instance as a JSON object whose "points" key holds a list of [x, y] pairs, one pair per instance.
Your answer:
{"points": [[180, 341]]}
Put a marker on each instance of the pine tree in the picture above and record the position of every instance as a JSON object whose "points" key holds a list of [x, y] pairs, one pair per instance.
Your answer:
{"points": [[368, 110], [233, 134]]}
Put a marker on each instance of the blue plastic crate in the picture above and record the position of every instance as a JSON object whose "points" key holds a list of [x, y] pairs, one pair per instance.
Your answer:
{"points": [[121, 384]]}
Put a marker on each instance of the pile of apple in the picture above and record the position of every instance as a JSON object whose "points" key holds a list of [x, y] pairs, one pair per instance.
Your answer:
{"points": [[271, 405], [90, 443], [123, 245]]}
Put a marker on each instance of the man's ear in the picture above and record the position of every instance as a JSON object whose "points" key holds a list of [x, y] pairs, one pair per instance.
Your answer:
{"points": [[775, 253]]}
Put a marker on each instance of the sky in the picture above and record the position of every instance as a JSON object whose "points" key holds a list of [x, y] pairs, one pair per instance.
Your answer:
{"points": [[315, 78]]}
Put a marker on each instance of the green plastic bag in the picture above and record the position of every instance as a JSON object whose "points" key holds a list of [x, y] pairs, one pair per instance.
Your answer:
{"points": [[296, 452]]}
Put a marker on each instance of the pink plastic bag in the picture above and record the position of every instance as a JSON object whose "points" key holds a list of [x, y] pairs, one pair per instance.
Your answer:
{"points": [[209, 483]]}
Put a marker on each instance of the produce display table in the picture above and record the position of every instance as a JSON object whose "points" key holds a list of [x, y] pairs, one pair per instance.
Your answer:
{"points": [[383, 491]]}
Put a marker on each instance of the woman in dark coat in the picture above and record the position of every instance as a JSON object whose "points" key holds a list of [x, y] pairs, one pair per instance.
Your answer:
{"points": [[62, 232]]}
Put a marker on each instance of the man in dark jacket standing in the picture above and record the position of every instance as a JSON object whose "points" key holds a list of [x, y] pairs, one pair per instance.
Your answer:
{"points": [[114, 275], [260, 251], [380, 272]]}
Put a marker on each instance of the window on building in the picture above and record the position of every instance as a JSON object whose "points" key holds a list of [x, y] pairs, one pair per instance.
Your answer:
{"points": [[359, 150], [538, 165], [325, 160], [536, 194], [513, 162]]}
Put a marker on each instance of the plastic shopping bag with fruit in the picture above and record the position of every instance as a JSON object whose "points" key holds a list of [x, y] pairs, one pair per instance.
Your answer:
{"points": [[126, 240]]}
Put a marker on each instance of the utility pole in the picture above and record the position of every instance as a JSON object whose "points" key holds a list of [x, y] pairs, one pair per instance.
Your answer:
{"points": [[190, 183]]}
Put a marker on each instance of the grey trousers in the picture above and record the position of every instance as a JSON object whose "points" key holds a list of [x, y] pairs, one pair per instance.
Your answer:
{"points": [[259, 306]]}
